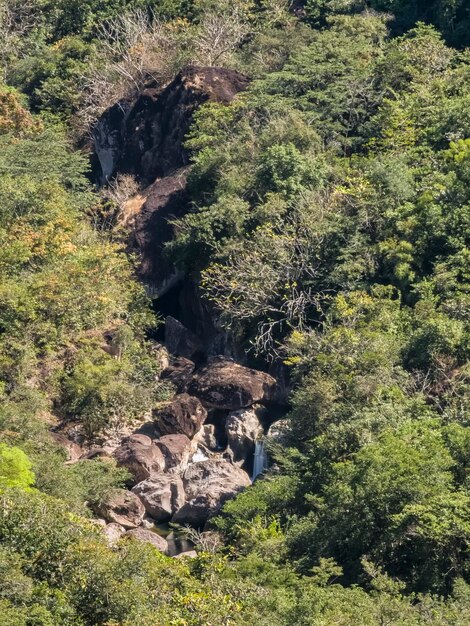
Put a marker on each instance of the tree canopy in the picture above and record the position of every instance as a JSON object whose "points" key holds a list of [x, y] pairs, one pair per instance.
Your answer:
{"points": [[327, 228]]}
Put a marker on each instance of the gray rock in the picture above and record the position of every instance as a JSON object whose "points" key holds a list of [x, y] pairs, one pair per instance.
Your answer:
{"points": [[162, 356], [190, 554], [148, 524], [243, 428], [122, 507], [108, 140], [278, 431], [162, 495], [206, 437], [148, 536], [113, 532], [208, 485]]}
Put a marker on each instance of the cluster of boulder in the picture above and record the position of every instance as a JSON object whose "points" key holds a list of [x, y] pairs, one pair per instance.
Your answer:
{"points": [[198, 449], [196, 452]]}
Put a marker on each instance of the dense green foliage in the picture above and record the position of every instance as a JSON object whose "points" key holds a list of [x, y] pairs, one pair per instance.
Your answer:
{"points": [[450, 16], [331, 228], [330, 219], [15, 468]]}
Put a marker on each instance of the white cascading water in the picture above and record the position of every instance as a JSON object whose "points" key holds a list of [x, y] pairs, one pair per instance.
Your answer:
{"points": [[198, 456], [260, 461]]}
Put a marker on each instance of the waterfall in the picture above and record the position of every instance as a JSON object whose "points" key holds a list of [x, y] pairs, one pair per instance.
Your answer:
{"points": [[198, 456], [260, 461]]}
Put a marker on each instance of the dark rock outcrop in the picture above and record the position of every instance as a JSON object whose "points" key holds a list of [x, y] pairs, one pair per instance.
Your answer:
{"points": [[179, 372], [162, 495], [184, 415], [123, 508], [227, 385], [208, 485], [108, 141], [200, 315], [163, 201], [145, 137], [179, 470], [179, 340]]}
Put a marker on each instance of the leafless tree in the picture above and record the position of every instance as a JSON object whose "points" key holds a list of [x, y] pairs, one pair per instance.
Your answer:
{"points": [[121, 189], [109, 215], [131, 50], [209, 542], [274, 281], [219, 35], [137, 47], [17, 19]]}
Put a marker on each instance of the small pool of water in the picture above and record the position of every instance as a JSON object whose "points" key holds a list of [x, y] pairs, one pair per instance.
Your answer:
{"points": [[177, 541]]}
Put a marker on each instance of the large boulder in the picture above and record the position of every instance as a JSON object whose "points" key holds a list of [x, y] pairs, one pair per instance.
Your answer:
{"points": [[137, 438], [189, 554], [179, 371], [122, 507], [140, 456], [177, 450], [152, 216], [206, 438], [113, 532], [96, 452], [184, 415], [145, 137], [278, 432], [243, 428], [162, 495], [179, 340], [208, 485], [148, 536], [226, 385]]}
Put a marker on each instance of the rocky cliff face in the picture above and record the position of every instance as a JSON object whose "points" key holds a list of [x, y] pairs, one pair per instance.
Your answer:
{"points": [[195, 453], [163, 201], [198, 449], [145, 137]]}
